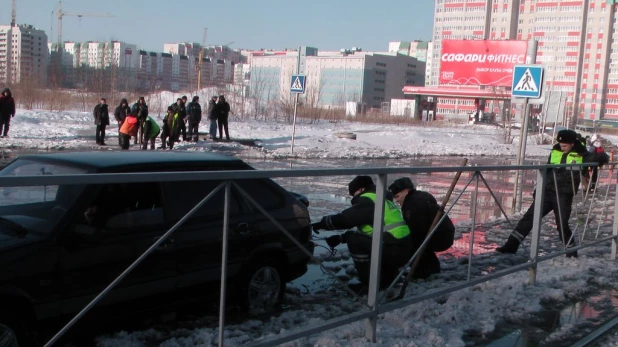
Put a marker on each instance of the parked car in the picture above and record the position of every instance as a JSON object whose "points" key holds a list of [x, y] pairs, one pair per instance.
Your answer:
{"points": [[61, 245]]}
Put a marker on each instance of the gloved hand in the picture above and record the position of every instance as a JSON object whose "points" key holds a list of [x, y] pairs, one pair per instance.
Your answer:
{"points": [[333, 241], [318, 226]]}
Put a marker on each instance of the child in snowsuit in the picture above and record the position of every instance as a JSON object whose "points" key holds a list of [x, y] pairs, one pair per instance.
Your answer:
{"points": [[151, 131]]}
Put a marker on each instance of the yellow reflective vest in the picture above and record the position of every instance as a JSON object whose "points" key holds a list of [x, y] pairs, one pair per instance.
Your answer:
{"points": [[393, 220]]}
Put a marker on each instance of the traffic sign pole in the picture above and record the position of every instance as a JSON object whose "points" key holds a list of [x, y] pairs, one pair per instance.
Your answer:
{"points": [[523, 137], [295, 103]]}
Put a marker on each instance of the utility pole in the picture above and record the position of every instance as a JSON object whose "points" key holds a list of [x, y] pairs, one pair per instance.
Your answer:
{"points": [[200, 60], [14, 14]]}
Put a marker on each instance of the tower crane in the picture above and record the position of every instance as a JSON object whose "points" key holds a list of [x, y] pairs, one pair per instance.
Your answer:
{"points": [[60, 13], [201, 59], [14, 14]]}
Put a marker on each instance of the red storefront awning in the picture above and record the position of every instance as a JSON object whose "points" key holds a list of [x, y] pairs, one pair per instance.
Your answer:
{"points": [[461, 93]]}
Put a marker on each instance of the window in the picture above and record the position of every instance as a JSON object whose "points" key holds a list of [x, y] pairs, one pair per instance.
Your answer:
{"points": [[185, 195]]}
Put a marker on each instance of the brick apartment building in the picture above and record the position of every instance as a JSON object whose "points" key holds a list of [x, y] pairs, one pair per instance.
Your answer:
{"points": [[576, 45]]}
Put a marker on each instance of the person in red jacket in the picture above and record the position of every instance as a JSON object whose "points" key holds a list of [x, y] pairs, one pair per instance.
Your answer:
{"points": [[129, 128], [7, 111]]}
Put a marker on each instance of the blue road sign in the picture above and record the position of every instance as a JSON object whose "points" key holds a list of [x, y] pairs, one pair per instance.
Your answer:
{"points": [[527, 81], [298, 84]]}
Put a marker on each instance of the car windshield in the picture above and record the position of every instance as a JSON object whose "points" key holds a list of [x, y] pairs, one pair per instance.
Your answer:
{"points": [[35, 209]]}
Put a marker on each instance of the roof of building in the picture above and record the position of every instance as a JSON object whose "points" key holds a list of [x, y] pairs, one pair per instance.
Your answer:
{"points": [[462, 93]]}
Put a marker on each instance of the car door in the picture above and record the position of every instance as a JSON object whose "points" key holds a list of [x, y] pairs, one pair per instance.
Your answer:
{"points": [[199, 240], [128, 220]]}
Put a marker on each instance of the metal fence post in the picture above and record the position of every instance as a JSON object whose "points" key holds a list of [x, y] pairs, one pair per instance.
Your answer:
{"points": [[473, 208], [536, 224], [376, 258], [615, 228], [226, 231]]}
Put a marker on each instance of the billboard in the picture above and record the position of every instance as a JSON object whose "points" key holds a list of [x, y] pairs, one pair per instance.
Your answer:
{"points": [[480, 62]]}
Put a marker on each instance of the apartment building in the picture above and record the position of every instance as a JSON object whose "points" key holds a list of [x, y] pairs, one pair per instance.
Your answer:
{"points": [[215, 52], [417, 49], [335, 78], [576, 43], [95, 54], [23, 54]]}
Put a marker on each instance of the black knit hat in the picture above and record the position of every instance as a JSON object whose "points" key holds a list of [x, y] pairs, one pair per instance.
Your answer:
{"points": [[401, 184], [360, 182], [566, 136]]}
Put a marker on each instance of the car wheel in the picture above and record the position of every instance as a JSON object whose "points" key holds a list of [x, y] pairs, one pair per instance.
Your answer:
{"points": [[8, 337], [264, 286]]}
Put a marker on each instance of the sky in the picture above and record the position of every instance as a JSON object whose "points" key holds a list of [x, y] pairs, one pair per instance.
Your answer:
{"points": [[276, 24], [547, 309]]}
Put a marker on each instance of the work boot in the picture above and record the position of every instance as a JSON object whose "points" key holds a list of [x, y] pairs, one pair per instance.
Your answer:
{"points": [[511, 246], [572, 254]]}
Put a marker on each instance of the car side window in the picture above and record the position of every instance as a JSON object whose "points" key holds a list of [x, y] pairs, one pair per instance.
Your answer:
{"points": [[125, 206], [263, 191], [185, 195]]}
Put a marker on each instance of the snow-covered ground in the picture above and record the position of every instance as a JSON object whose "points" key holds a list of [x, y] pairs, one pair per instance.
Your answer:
{"points": [[75, 130], [441, 322]]}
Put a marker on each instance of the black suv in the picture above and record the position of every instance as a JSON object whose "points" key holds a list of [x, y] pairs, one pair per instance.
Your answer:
{"points": [[61, 245]]}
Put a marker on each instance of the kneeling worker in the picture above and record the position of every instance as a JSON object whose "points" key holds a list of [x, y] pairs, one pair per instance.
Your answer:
{"points": [[396, 238]]}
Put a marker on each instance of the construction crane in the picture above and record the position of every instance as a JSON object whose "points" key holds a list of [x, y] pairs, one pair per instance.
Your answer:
{"points": [[201, 59], [60, 13], [14, 14]]}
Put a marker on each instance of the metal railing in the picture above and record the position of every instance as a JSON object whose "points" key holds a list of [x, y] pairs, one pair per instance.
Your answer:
{"points": [[374, 301]]}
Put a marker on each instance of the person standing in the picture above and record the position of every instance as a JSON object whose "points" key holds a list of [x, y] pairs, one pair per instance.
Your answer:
{"points": [[151, 131], [140, 110], [101, 120], [396, 240], [170, 128], [224, 113], [568, 151], [194, 117], [597, 147], [7, 111], [179, 107], [121, 112], [183, 118], [212, 117]]}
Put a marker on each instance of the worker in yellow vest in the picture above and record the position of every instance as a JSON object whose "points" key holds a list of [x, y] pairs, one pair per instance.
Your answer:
{"points": [[396, 238], [559, 192]]}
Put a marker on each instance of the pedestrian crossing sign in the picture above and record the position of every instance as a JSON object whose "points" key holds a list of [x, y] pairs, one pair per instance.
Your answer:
{"points": [[527, 81], [298, 84]]}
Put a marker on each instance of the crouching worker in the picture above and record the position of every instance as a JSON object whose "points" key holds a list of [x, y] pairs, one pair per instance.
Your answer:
{"points": [[151, 131], [559, 191], [128, 128], [396, 239], [419, 209]]}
